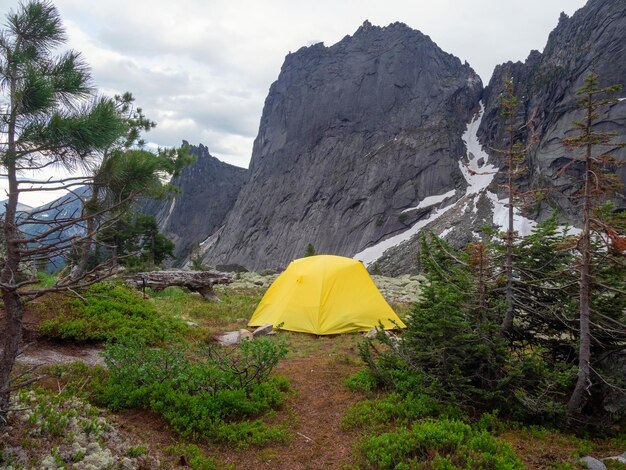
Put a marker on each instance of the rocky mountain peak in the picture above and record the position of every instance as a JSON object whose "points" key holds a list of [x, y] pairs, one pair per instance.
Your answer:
{"points": [[208, 190], [351, 135], [366, 143]]}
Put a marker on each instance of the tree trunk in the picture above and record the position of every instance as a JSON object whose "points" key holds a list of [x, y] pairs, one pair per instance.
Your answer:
{"points": [[12, 331], [13, 311], [579, 395], [507, 322], [85, 249], [10, 346]]}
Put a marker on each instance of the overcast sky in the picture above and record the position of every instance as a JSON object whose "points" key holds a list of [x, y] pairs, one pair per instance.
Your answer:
{"points": [[202, 68]]}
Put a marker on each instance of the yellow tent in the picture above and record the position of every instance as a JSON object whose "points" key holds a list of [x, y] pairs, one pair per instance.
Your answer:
{"points": [[324, 295]]}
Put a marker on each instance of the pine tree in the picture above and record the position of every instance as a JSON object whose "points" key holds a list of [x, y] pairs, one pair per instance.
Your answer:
{"points": [[597, 183], [126, 171], [545, 291], [451, 336], [49, 117], [514, 153], [309, 251]]}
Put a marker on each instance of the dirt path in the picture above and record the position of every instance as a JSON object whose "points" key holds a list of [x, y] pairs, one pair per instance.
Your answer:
{"points": [[313, 413]]}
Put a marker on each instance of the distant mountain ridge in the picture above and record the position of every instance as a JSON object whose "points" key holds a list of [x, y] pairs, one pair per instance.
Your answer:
{"points": [[20, 207]]}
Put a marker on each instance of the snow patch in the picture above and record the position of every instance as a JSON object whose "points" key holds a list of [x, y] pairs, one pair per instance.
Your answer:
{"points": [[431, 201], [371, 254], [169, 213], [446, 232], [477, 172], [521, 224]]}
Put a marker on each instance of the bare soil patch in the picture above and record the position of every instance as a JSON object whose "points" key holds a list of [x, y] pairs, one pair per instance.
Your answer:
{"points": [[313, 410]]}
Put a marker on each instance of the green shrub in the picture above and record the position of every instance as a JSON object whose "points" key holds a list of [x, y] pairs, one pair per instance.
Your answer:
{"points": [[448, 444], [255, 433], [362, 381], [78, 379], [196, 459], [110, 310], [394, 408], [614, 465], [45, 279], [137, 451], [203, 398]]}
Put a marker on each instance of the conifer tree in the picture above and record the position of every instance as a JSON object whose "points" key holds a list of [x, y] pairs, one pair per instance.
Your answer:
{"points": [[451, 338], [49, 117], [514, 154], [126, 171], [309, 251], [598, 182]]}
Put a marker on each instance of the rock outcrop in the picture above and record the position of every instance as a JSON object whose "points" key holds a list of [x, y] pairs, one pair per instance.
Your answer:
{"points": [[351, 136], [592, 39], [208, 190]]}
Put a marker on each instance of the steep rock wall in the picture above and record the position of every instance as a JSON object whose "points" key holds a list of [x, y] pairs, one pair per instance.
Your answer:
{"points": [[351, 135]]}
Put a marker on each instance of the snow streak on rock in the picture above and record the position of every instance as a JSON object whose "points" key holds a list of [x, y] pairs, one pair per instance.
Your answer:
{"points": [[371, 254], [521, 224], [479, 174], [431, 201]]}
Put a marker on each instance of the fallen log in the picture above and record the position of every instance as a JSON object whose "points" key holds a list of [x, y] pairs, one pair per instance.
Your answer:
{"points": [[196, 281]]}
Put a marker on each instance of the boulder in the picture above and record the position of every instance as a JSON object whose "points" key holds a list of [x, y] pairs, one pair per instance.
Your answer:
{"points": [[371, 334], [245, 334], [231, 338], [592, 463]]}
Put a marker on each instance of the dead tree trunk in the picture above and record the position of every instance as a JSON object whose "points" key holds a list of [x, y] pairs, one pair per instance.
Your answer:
{"points": [[196, 281]]}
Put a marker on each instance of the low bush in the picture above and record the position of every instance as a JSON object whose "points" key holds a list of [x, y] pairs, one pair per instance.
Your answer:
{"points": [[204, 393], [362, 381], [108, 311], [378, 413], [194, 458], [441, 444]]}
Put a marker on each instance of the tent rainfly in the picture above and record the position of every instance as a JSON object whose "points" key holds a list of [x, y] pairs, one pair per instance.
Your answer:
{"points": [[325, 295]]}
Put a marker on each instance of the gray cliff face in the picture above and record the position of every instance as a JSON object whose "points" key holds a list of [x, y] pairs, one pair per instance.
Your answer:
{"points": [[350, 136], [592, 39], [546, 83], [209, 189]]}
